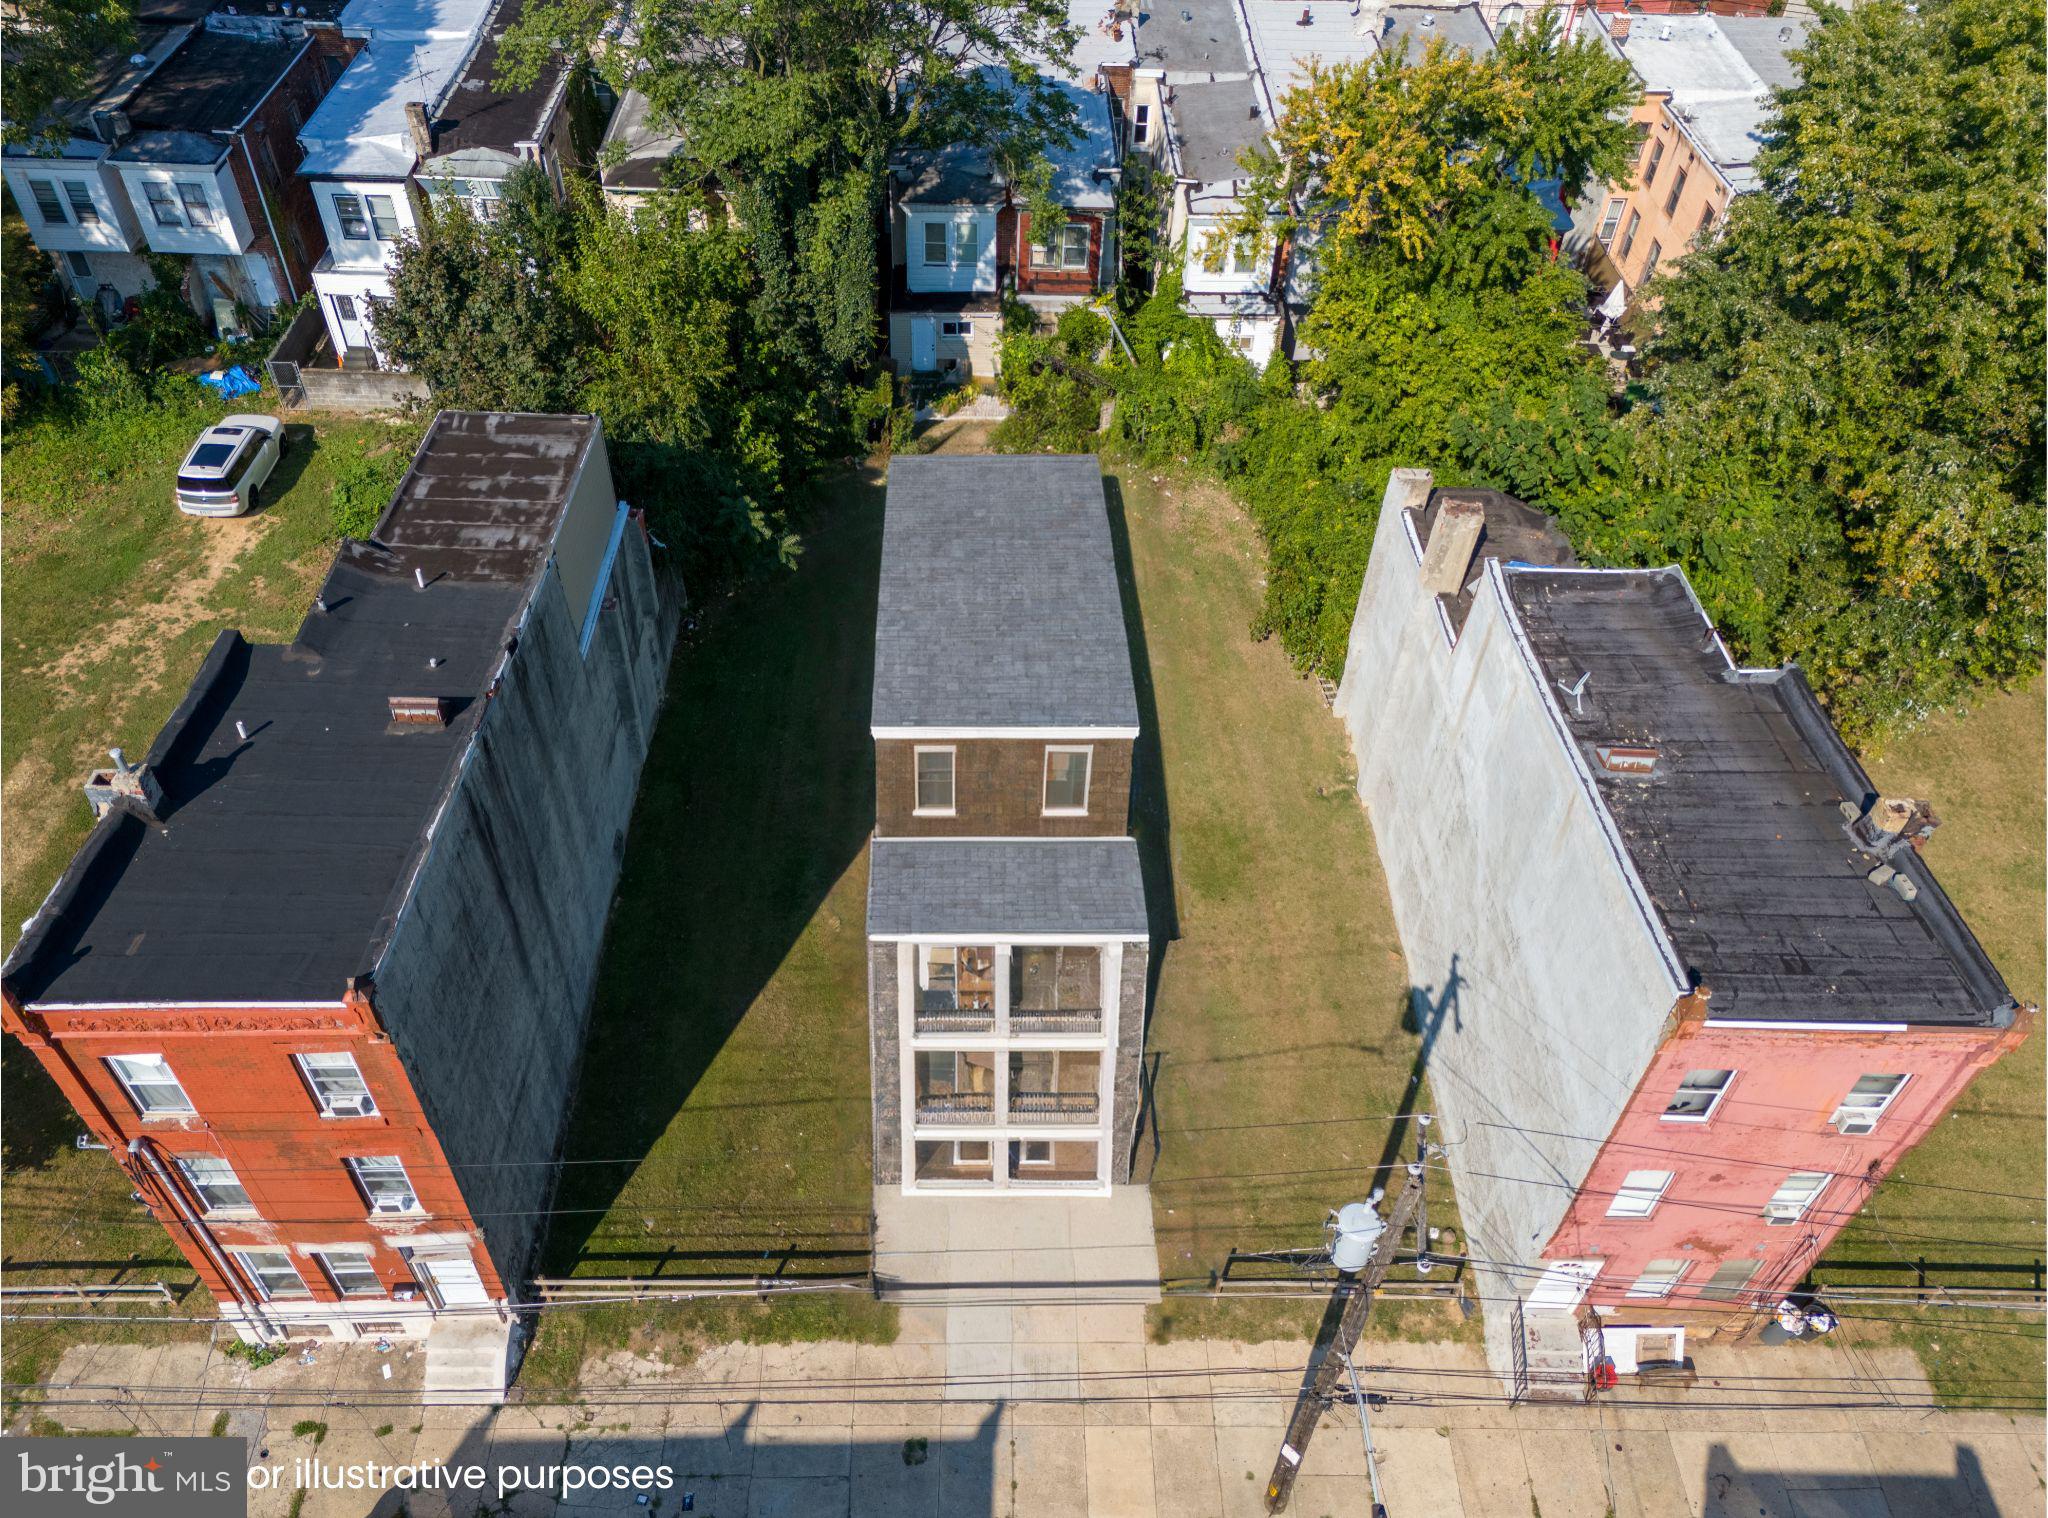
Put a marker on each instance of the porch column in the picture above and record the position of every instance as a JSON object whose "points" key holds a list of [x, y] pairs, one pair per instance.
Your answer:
{"points": [[1002, 974], [906, 1066]]}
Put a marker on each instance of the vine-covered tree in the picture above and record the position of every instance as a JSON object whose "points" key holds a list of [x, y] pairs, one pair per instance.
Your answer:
{"points": [[477, 308]]}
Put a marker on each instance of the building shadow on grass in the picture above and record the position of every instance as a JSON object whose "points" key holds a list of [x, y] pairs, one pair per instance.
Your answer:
{"points": [[757, 796], [1151, 819], [726, 1469]]}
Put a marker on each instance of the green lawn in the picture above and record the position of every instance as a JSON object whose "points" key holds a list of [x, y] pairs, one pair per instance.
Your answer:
{"points": [[729, 1040], [1983, 770], [112, 598]]}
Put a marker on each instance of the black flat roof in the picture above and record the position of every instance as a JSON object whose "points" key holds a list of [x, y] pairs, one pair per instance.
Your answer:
{"points": [[284, 856], [480, 113], [211, 83], [1738, 836]]}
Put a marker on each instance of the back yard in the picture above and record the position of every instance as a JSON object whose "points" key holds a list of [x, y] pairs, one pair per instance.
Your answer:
{"points": [[112, 599]]}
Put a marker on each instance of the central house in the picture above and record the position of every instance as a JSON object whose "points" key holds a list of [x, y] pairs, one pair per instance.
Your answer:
{"points": [[1007, 940]]}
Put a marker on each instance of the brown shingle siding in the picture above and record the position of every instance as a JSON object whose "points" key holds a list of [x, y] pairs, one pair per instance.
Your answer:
{"points": [[999, 785]]}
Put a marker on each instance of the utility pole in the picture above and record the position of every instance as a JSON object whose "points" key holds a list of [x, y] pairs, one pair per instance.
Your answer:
{"points": [[1308, 1410]]}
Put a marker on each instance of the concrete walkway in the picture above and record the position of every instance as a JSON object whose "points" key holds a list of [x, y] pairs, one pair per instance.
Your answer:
{"points": [[1184, 1430]]}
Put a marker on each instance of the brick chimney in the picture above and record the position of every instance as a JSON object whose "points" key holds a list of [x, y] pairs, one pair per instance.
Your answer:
{"points": [[422, 129], [1617, 28], [1452, 539]]}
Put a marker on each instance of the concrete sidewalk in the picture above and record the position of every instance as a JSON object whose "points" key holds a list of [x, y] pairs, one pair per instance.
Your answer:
{"points": [[1186, 1430]]}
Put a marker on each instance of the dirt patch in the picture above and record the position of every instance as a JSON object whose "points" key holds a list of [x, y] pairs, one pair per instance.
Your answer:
{"points": [[146, 631]]}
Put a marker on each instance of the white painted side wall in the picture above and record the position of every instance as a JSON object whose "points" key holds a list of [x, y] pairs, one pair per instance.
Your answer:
{"points": [[1545, 984], [1198, 279], [116, 231], [953, 277], [231, 231], [362, 253]]}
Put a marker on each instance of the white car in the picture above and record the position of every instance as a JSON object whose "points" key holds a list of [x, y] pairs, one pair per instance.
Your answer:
{"points": [[228, 465]]}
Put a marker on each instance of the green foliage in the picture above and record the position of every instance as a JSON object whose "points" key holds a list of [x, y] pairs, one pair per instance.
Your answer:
{"points": [[363, 487], [1053, 385], [53, 51], [24, 307], [477, 308], [1845, 447], [165, 328], [256, 1356], [1390, 150], [308, 1428], [1140, 216]]}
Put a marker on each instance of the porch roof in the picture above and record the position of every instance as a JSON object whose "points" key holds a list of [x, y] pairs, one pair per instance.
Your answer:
{"points": [[1007, 887]]}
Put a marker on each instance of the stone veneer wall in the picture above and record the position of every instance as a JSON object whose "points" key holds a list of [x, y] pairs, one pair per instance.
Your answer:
{"points": [[1130, 1057], [885, 1062]]}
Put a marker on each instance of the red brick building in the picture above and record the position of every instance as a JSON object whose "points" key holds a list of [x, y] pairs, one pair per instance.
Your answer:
{"points": [[318, 978]]}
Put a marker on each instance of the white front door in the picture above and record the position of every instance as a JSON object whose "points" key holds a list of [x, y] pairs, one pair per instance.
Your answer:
{"points": [[454, 1279], [349, 322], [924, 344]]}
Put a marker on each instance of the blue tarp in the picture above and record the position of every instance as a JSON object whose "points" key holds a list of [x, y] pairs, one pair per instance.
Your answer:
{"points": [[230, 383]]}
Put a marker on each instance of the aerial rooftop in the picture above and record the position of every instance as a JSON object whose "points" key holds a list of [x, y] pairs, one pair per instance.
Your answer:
{"points": [[999, 605], [1719, 72], [637, 147], [295, 804], [416, 51], [1738, 833], [479, 114]]}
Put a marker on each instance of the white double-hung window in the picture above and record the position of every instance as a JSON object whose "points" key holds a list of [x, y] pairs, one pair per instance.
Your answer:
{"points": [[1659, 1278], [1066, 780], [934, 782], [350, 1271], [384, 1183], [215, 1183], [1639, 1194], [1697, 1096], [272, 1271], [337, 1085], [935, 245], [150, 1085], [1798, 1192], [1866, 1102]]}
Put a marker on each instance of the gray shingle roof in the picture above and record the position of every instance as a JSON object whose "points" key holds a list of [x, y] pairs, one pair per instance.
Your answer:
{"points": [[999, 605], [1023, 885]]}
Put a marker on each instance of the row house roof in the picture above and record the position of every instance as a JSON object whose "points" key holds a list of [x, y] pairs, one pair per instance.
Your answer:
{"points": [[295, 805], [417, 50]]}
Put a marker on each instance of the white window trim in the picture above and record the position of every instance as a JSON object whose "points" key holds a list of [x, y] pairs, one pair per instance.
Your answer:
{"points": [[207, 1209], [1639, 1201], [1712, 1107], [355, 1162], [147, 1113], [1045, 780], [1646, 1287], [924, 251], [255, 1279], [320, 1253], [986, 1145], [1779, 1199], [1871, 1114], [1024, 1153], [313, 1084], [916, 784]]}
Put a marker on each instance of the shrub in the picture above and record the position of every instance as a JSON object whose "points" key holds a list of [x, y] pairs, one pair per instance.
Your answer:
{"points": [[362, 489]]}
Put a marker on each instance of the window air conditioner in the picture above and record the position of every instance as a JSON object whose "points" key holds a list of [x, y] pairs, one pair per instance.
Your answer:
{"points": [[353, 1106], [1784, 1212], [1852, 1120]]}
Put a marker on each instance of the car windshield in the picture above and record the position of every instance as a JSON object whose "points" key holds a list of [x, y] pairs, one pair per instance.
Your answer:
{"points": [[210, 455]]}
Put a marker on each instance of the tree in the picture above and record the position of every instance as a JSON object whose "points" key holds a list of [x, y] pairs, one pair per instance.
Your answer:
{"points": [[476, 306], [1848, 447], [791, 111], [24, 308], [1389, 149], [53, 50]]}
